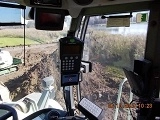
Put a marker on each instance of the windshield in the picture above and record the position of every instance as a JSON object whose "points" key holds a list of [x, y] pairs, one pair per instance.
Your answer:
{"points": [[110, 50]]}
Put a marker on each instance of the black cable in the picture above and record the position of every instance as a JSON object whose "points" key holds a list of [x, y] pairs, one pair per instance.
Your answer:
{"points": [[64, 96]]}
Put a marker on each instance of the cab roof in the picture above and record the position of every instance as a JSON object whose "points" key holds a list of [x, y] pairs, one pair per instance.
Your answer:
{"points": [[93, 7]]}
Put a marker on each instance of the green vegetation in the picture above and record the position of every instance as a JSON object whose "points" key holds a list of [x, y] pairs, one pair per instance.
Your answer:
{"points": [[114, 71], [116, 50], [5, 41], [39, 36], [113, 52]]}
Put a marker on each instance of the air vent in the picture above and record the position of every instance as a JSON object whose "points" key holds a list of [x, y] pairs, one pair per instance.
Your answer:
{"points": [[83, 2]]}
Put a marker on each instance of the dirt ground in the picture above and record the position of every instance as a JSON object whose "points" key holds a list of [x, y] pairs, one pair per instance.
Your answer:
{"points": [[40, 63]]}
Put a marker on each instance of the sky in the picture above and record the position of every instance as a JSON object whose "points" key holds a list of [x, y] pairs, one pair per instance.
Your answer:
{"points": [[10, 15]]}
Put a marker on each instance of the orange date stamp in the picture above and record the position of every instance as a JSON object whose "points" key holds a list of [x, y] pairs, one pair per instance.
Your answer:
{"points": [[132, 105]]}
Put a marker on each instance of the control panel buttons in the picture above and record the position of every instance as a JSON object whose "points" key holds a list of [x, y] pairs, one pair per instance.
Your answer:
{"points": [[69, 63], [66, 58], [71, 58]]}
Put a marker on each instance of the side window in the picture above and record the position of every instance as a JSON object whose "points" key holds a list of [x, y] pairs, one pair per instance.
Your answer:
{"points": [[110, 50], [40, 55]]}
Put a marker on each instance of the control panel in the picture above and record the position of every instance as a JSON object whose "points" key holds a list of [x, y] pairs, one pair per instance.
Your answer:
{"points": [[71, 50], [70, 63]]}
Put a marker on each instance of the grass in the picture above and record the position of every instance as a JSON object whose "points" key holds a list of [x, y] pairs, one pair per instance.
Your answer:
{"points": [[33, 34], [116, 72], [117, 50], [6, 41]]}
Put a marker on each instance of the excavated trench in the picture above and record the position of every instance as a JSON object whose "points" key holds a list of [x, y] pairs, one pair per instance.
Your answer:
{"points": [[40, 65]]}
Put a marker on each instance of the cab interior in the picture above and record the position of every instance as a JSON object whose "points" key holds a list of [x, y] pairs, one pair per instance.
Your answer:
{"points": [[141, 72]]}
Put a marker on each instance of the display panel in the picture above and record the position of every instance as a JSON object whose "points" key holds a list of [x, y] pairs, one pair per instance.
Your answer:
{"points": [[71, 79], [71, 49], [49, 19]]}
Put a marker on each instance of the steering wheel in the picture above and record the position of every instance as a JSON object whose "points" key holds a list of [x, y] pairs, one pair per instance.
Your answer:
{"points": [[12, 112]]}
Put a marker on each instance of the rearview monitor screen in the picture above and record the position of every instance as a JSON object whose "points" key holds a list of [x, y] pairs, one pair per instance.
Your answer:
{"points": [[49, 20]]}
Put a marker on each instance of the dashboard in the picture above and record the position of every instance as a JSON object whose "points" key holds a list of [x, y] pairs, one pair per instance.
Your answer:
{"points": [[52, 114], [46, 114]]}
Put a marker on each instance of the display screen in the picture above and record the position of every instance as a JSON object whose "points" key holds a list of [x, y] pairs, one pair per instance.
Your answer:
{"points": [[71, 49], [48, 19]]}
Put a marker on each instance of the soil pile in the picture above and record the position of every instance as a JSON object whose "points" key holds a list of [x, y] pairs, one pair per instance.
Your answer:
{"points": [[102, 89], [97, 86], [38, 65]]}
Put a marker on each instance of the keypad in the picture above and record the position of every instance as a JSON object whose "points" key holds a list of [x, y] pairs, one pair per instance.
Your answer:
{"points": [[91, 107], [68, 63]]}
